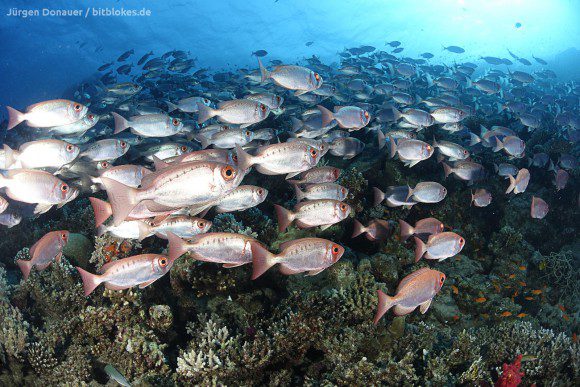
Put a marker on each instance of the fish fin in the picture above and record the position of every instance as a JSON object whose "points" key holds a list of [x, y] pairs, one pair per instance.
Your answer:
{"points": [[292, 174], [171, 106], [420, 249], [425, 306], [472, 198], [285, 217], [177, 246], [204, 113], [378, 196], [299, 194], [403, 310], [300, 92], [90, 280], [411, 164], [101, 209], [143, 285], [244, 158], [326, 115], [392, 147], [358, 229], [315, 272], [296, 124], [409, 193], [41, 208], [262, 259], [159, 164], [58, 257], [397, 114], [385, 303], [9, 156], [230, 265], [474, 139], [122, 198], [512, 184], [263, 72], [447, 169], [14, 117], [381, 139], [325, 226], [144, 230], [287, 271], [120, 123], [43, 266], [243, 126], [25, 267], [406, 230], [498, 145]]}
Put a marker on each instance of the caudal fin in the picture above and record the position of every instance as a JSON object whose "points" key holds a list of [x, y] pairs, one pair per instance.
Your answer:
{"points": [[262, 259], [9, 156], [447, 169], [512, 184], [14, 117], [381, 139], [385, 303], [245, 161], [392, 147], [120, 123], [122, 199], [299, 193], [171, 106], [498, 145], [378, 196], [204, 113], [177, 246], [265, 74], [296, 124], [285, 217], [474, 139], [101, 209], [25, 267], [326, 115], [420, 249], [90, 280], [358, 229], [406, 230]]}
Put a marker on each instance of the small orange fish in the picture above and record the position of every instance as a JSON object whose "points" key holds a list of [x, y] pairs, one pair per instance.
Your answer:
{"points": [[485, 315], [455, 317], [506, 314], [508, 286], [561, 307], [529, 298], [455, 289], [574, 337], [522, 268], [516, 293], [497, 288], [536, 291], [565, 317], [522, 315], [480, 300], [512, 276], [522, 283]]}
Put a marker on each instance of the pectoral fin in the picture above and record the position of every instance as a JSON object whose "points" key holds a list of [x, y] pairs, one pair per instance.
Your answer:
{"points": [[425, 306]]}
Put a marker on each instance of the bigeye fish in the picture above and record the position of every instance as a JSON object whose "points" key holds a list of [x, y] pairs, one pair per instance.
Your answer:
{"points": [[313, 213], [427, 192], [105, 150], [395, 196], [46, 250], [465, 170], [130, 175], [410, 151], [439, 246], [288, 158], [141, 270], [415, 290], [448, 115], [424, 228], [539, 208], [181, 225], [46, 114], [229, 249], [42, 154], [80, 126], [452, 150], [187, 105], [512, 145], [321, 191], [33, 186], [347, 117], [376, 230], [273, 101], [519, 183], [481, 198], [290, 77], [311, 255], [238, 111], [149, 125], [346, 147], [241, 198], [227, 139], [318, 175]]}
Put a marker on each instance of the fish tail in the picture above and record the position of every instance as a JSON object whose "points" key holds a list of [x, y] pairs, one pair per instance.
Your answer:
{"points": [[447, 169], [9, 156], [14, 117], [263, 71], [120, 123], [385, 303], [204, 113], [498, 145], [177, 246], [296, 124], [358, 229], [299, 194], [406, 230], [472, 198], [378, 195], [409, 192], [122, 199], [285, 217], [262, 259], [474, 139], [101, 230], [512, 184], [382, 140], [397, 114], [393, 147], [159, 164], [101, 209], [420, 249], [326, 115], [171, 106], [25, 267], [245, 160], [90, 280], [144, 230]]}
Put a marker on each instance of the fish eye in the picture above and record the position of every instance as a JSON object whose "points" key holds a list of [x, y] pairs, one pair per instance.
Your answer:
{"points": [[248, 132], [260, 191], [104, 164], [64, 188], [262, 107], [366, 114], [123, 144], [201, 225], [228, 173], [91, 117], [465, 151], [63, 236], [206, 101], [69, 147], [313, 153], [429, 148], [316, 76], [461, 241], [336, 173], [175, 122], [442, 279], [78, 107], [163, 262], [183, 148], [278, 99], [235, 158], [343, 207], [441, 226], [343, 190], [335, 249]]}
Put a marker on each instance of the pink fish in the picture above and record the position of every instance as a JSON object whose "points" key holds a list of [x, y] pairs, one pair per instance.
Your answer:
{"points": [[219, 247], [378, 229], [311, 255], [415, 290], [312, 213], [318, 175], [520, 182], [561, 179], [424, 227], [439, 246], [539, 208], [44, 251], [125, 273], [480, 198]]}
